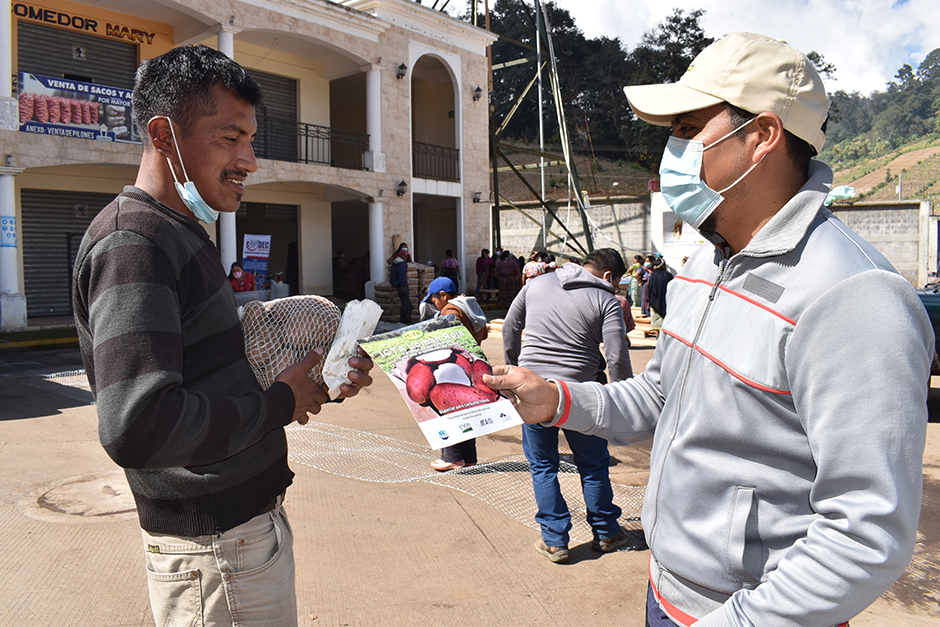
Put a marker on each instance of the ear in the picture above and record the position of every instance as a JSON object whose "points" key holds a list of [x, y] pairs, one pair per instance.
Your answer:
{"points": [[161, 136], [769, 134]]}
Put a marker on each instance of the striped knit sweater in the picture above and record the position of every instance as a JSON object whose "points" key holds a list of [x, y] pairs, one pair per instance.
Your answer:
{"points": [[202, 445]]}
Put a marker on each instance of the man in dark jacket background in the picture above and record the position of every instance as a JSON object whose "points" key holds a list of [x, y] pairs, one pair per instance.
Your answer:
{"points": [[658, 281]]}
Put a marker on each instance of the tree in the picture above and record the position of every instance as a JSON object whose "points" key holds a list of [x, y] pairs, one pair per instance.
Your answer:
{"points": [[665, 52], [592, 74], [822, 66], [663, 56]]}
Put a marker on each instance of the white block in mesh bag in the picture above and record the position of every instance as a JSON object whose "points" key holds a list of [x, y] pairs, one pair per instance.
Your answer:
{"points": [[279, 333], [359, 320]]}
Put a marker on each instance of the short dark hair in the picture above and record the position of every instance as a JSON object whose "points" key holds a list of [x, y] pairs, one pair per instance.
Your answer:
{"points": [[798, 151], [178, 84], [606, 259]]}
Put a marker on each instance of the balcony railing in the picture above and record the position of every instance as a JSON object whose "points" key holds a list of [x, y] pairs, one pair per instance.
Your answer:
{"points": [[435, 162], [299, 142]]}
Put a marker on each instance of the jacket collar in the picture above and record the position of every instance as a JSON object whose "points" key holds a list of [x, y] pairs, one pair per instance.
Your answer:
{"points": [[788, 227]]}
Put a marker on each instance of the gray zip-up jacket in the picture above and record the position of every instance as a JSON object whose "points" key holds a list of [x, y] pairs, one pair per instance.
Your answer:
{"points": [[566, 315], [786, 400]]}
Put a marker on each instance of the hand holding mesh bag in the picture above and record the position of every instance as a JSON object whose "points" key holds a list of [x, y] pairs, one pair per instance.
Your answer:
{"points": [[279, 333]]}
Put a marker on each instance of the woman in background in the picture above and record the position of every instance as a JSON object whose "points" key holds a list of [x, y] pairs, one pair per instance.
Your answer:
{"points": [[241, 281], [510, 279]]}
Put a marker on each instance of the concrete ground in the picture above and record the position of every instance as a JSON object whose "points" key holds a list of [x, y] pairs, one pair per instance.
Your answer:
{"points": [[381, 539]]}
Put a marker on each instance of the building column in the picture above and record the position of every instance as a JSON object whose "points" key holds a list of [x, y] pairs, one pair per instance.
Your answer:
{"points": [[377, 240], [12, 302], [9, 110], [374, 160], [228, 238]]}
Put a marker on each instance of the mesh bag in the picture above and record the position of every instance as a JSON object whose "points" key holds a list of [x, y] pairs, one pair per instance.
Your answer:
{"points": [[280, 333]]}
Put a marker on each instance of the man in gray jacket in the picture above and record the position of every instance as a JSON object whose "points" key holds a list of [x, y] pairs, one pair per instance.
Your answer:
{"points": [[566, 315], [788, 415]]}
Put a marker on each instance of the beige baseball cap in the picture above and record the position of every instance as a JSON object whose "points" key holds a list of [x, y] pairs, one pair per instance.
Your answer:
{"points": [[752, 72]]}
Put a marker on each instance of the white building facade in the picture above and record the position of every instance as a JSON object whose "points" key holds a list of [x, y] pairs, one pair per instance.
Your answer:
{"points": [[373, 131]]}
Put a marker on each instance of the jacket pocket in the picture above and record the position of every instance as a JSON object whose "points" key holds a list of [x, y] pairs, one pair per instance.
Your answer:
{"points": [[745, 551]]}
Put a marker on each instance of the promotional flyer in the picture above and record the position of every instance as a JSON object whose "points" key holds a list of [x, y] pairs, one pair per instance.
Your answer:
{"points": [[438, 368]]}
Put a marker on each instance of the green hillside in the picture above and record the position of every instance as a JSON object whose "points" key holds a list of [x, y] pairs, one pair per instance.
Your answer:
{"points": [[915, 166]]}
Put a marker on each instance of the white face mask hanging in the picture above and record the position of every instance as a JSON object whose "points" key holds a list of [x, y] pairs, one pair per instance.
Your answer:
{"points": [[187, 191]]}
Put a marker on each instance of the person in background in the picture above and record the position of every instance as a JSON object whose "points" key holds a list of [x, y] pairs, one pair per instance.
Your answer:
{"points": [[203, 446], [510, 279], [566, 315], [659, 280], [628, 322], [398, 278], [634, 283], [482, 268], [400, 253], [537, 266], [340, 272], [442, 294], [358, 276], [450, 267], [642, 276], [788, 428], [240, 280]]}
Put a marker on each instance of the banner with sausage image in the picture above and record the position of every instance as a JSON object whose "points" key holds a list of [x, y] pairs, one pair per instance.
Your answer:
{"points": [[71, 108], [438, 368]]}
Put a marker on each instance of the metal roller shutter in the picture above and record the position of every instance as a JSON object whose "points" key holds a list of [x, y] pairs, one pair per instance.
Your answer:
{"points": [[62, 53], [277, 118], [53, 225]]}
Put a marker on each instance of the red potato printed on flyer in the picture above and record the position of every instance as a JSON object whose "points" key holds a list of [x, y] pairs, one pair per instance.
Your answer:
{"points": [[438, 368]]}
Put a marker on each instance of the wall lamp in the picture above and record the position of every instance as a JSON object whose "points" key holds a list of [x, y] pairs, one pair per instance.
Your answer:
{"points": [[402, 70], [477, 196], [477, 93], [402, 188]]}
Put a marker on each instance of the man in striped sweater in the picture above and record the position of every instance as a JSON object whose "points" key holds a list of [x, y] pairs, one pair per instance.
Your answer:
{"points": [[202, 445]]}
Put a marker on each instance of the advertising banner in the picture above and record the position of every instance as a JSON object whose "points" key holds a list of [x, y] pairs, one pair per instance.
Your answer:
{"points": [[255, 252], [438, 367], [677, 232], [67, 108]]}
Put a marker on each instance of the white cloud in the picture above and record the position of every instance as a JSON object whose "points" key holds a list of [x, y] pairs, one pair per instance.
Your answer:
{"points": [[867, 40]]}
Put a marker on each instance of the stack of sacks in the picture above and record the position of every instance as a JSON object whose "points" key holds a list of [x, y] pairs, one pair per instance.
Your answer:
{"points": [[387, 298]]}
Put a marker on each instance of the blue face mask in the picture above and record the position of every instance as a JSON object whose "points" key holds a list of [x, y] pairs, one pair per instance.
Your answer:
{"points": [[187, 191], [681, 181]]}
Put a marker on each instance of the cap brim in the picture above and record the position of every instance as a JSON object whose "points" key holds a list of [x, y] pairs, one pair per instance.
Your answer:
{"points": [[660, 104]]}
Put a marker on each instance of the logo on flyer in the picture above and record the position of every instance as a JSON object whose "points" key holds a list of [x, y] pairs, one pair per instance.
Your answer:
{"points": [[465, 427], [442, 434]]}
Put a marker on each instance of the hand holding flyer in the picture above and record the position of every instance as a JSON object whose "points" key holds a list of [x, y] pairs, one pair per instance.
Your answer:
{"points": [[438, 368]]}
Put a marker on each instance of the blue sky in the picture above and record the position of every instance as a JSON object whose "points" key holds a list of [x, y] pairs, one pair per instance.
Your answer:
{"points": [[867, 40]]}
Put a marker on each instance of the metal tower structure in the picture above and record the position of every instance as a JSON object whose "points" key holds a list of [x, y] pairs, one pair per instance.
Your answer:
{"points": [[534, 21]]}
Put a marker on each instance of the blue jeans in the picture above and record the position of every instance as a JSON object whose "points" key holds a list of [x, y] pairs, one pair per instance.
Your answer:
{"points": [[540, 445], [655, 616]]}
